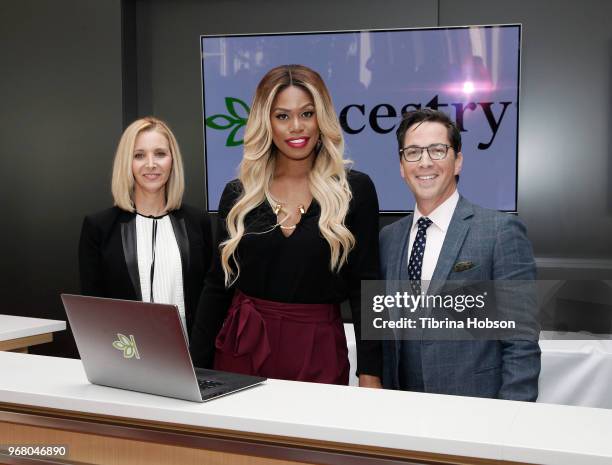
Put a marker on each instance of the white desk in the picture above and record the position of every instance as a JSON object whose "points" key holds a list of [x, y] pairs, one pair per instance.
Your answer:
{"points": [[17, 333], [574, 372], [352, 420]]}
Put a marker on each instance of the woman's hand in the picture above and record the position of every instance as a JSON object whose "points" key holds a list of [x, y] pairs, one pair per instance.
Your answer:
{"points": [[370, 381]]}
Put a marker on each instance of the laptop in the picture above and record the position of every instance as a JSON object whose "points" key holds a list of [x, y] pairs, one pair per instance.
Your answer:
{"points": [[142, 347]]}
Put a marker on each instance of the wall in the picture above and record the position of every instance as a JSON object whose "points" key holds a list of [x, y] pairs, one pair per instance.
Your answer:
{"points": [[565, 165], [60, 117]]}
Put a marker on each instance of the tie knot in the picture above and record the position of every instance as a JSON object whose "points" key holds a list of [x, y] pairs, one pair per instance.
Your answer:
{"points": [[424, 223]]}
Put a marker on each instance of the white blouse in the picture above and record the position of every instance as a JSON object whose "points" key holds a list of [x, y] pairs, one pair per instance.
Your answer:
{"points": [[168, 272]]}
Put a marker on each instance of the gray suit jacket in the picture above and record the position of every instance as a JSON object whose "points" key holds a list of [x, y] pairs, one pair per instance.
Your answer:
{"points": [[498, 246]]}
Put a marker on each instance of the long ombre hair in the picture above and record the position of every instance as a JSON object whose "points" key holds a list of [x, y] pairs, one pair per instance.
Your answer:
{"points": [[327, 179]]}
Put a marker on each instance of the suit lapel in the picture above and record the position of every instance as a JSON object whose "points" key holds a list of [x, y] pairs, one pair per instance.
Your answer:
{"points": [[397, 260], [397, 257], [180, 232], [130, 252], [400, 259], [455, 236]]}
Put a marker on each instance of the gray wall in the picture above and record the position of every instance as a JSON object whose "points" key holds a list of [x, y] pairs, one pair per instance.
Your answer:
{"points": [[60, 116], [565, 146], [62, 113]]}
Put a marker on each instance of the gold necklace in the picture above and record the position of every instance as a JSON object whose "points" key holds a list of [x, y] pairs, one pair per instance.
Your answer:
{"points": [[280, 207]]}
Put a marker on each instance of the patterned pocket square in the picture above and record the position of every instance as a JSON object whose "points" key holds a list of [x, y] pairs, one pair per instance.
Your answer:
{"points": [[463, 266]]}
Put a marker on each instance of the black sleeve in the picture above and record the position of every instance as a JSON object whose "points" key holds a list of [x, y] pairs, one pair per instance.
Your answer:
{"points": [[207, 239], [194, 282], [90, 260], [363, 264], [216, 298]]}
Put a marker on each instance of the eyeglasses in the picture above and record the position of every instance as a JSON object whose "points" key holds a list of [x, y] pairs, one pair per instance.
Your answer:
{"points": [[414, 153]]}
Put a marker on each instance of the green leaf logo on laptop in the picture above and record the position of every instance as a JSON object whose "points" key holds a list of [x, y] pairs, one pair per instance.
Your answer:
{"points": [[127, 345]]}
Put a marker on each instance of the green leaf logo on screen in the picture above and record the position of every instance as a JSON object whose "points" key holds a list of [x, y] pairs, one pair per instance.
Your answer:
{"points": [[127, 345], [237, 118]]}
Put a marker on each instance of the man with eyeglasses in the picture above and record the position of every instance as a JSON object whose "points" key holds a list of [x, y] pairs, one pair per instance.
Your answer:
{"points": [[447, 239]]}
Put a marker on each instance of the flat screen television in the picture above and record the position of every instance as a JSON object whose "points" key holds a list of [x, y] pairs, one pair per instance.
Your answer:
{"points": [[472, 73]]}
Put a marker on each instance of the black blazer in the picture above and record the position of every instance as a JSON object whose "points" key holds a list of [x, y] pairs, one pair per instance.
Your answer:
{"points": [[108, 262]]}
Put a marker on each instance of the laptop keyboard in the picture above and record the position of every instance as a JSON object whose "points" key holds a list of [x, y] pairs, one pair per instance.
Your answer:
{"points": [[208, 383]]}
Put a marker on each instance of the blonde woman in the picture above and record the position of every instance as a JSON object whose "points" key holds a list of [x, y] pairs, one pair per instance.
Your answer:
{"points": [[298, 232], [149, 246]]}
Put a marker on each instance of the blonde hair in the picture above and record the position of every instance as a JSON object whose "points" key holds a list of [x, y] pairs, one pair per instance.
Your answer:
{"points": [[122, 184], [327, 178]]}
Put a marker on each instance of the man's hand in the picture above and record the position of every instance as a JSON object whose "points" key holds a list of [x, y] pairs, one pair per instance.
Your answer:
{"points": [[370, 381]]}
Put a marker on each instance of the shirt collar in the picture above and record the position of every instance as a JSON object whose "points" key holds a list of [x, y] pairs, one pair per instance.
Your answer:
{"points": [[442, 215]]}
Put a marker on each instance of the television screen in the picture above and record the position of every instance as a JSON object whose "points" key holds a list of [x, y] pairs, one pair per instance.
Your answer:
{"points": [[472, 73]]}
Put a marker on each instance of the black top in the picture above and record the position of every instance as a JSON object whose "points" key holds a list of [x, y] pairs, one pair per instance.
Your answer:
{"points": [[294, 269], [108, 260]]}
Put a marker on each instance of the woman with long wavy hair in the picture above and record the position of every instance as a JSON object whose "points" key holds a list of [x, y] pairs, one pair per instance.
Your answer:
{"points": [[298, 231]]}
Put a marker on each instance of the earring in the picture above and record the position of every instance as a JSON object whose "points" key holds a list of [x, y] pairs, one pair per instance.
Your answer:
{"points": [[319, 144], [277, 208], [301, 209]]}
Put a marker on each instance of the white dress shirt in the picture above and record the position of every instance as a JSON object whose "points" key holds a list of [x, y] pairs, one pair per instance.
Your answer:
{"points": [[168, 278], [441, 218]]}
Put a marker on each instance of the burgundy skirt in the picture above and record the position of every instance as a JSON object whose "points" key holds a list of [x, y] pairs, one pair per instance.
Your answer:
{"points": [[299, 342]]}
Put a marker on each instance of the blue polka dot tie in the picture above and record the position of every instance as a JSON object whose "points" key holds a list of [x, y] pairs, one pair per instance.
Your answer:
{"points": [[415, 265]]}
